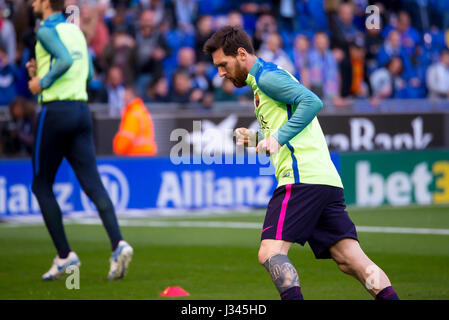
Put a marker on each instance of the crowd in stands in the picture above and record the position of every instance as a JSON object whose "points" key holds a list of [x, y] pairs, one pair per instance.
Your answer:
{"points": [[156, 47]]}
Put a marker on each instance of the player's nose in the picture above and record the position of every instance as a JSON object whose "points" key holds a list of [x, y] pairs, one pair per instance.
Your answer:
{"points": [[221, 72]]}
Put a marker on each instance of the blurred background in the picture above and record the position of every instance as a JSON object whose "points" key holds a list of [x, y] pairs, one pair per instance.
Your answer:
{"points": [[382, 70]]}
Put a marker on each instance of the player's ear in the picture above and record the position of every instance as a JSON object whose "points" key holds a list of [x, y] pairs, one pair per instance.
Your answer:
{"points": [[241, 53]]}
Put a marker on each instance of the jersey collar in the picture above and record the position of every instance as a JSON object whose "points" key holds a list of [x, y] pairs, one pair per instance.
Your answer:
{"points": [[55, 18], [256, 66], [254, 73]]}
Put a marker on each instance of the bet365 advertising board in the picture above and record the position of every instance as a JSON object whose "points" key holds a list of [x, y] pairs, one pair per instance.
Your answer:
{"points": [[370, 179], [396, 178]]}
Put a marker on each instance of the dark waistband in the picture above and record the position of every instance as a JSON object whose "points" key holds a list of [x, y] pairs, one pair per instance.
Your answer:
{"points": [[59, 103]]}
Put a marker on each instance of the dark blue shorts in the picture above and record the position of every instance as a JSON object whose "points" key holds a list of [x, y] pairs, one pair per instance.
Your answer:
{"points": [[308, 213]]}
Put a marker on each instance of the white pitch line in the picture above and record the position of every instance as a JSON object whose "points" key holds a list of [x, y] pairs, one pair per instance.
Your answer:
{"points": [[254, 225], [234, 225]]}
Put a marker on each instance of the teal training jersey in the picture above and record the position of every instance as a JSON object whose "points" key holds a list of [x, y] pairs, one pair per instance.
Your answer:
{"points": [[287, 110], [63, 62]]}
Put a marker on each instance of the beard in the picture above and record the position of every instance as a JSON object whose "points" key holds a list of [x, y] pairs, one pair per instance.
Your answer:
{"points": [[239, 80], [39, 15]]}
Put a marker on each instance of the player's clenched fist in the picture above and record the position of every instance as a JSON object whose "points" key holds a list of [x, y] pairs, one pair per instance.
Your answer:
{"points": [[246, 137], [32, 68], [268, 146], [34, 85]]}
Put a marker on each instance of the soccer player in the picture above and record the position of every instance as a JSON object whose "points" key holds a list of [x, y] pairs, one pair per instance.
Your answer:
{"points": [[308, 204], [64, 130]]}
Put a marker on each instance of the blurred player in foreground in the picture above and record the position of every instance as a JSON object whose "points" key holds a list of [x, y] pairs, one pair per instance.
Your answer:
{"points": [[64, 130], [308, 204]]}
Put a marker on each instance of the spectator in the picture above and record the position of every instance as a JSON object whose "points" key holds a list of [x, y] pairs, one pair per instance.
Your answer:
{"points": [[8, 77], [204, 32], [227, 91], [437, 77], [265, 25], [311, 15], [393, 48], [272, 51], [420, 13], [343, 28], [151, 49], [17, 136], [114, 91], [360, 86], [185, 14], [136, 134], [94, 28], [388, 82], [235, 19], [373, 43], [158, 90], [163, 11], [121, 20], [323, 69], [410, 37], [24, 23], [441, 8], [285, 10], [186, 60], [183, 90], [200, 78], [301, 53], [7, 34], [121, 52], [344, 32]]}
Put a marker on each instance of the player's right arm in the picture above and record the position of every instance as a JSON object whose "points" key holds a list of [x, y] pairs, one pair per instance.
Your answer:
{"points": [[51, 42]]}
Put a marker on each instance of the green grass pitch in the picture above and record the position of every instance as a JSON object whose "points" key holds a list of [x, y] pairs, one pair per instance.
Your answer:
{"points": [[221, 263]]}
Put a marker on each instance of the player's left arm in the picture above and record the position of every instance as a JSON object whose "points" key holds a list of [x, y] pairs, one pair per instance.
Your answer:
{"points": [[281, 86], [51, 42]]}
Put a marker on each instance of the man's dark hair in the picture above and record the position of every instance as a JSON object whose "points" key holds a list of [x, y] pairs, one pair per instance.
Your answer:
{"points": [[229, 39], [57, 5]]}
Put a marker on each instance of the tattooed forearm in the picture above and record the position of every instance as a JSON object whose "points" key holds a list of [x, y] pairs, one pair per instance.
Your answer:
{"points": [[282, 272]]}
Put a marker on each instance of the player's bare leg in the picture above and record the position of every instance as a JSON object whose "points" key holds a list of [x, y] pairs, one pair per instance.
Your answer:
{"points": [[273, 256], [351, 259]]}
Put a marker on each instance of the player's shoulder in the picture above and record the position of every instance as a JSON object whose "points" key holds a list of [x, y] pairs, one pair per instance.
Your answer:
{"points": [[46, 33], [270, 76]]}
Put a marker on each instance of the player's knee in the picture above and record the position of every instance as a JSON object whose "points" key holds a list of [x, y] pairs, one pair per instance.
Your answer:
{"points": [[264, 253], [261, 256], [269, 248]]}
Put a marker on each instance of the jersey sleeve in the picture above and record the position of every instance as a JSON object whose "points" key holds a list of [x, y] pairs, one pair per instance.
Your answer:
{"points": [[51, 42], [279, 85], [91, 74]]}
